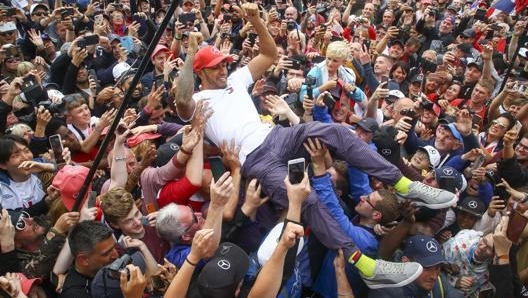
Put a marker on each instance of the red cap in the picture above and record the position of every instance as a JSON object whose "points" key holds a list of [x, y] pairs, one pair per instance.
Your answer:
{"points": [[158, 49], [209, 56], [69, 181], [27, 283], [137, 139]]}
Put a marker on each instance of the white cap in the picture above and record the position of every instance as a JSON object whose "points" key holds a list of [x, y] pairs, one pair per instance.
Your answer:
{"points": [[523, 52], [7, 26], [119, 69], [434, 155], [267, 247], [396, 93], [34, 6]]}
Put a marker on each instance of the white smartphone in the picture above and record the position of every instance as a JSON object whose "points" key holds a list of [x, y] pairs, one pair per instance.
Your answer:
{"points": [[296, 170]]}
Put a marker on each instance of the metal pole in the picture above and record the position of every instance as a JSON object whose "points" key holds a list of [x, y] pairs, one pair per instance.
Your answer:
{"points": [[520, 42], [124, 104]]}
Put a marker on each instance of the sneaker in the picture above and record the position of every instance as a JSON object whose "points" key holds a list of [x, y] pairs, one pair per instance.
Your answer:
{"points": [[393, 275], [430, 197]]}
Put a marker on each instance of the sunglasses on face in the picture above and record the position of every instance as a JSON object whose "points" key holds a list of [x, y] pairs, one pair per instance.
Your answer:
{"points": [[7, 33], [13, 59], [498, 123], [39, 14]]}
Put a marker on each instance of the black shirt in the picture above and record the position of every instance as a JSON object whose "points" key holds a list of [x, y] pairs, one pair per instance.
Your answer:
{"points": [[76, 285]]}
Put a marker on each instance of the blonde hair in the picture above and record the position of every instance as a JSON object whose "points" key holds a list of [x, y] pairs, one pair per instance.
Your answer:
{"points": [[298, 34], [19, 129], [337, 49], [24, 67]]}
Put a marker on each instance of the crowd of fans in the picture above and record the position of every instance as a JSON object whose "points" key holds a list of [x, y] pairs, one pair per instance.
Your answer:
{"points": [[409, 118]]}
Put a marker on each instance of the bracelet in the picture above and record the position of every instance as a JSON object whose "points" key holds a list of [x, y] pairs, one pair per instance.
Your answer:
{"points": [[56, 233], [185, 151], [190, 263], [177, 37]]}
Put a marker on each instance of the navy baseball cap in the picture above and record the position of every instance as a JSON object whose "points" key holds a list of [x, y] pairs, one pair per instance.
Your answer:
{"points": [[450, 179], [425, 250]]}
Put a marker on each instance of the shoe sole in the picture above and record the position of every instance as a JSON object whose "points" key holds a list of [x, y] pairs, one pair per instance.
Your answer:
{"points": [[437, 206], [400, 284], [431, 206]]}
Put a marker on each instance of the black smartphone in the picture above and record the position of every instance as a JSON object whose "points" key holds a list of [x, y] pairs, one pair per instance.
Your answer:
{"points": [[136, 18], [329, 101], [67, 12], [57, 148], [217, 167], [366, 42], [227, 17], [480, 15], [447, 183], [89, 40], [92, 198], [296, 170], [252, 37], [186, 18], [296, 64], [10, 12]]}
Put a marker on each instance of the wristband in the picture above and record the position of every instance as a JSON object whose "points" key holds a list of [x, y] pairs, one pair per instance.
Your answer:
{"points": [[190, 263], [185, 151]]}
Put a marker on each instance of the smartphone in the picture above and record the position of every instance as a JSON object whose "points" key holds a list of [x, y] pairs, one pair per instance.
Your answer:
{"points": [[92, 198], [447, 183], [144, 221], [10, 12], [227, 17], [56, 146], [480, 15], [479, 161], [252, 37], [157, 282], [187, 18], [489, 293], [296, 170], [296, 64], [136, 18], [329, 101], [217, 167], [88, 41]]}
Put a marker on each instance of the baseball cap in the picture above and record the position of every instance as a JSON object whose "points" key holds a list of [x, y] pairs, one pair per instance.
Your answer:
{"points": [[479, 66], [454, 131], [157, 49], [434, 155], [368, 124], [113, 37], [223, 272], [425, 250], [452, 8], [417, 78], [167, 150], [69, 181], [523, 52], [396, 93], [7, 26], [470, 33], [472, 205], [35, 6], [119, 69], [450, 19], [269, 87], [396, 41], [105, 286], [209, 56], [445, 174], [27, 283], [137, 139]]}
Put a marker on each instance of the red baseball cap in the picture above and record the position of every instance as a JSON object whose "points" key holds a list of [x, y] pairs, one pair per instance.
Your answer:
{"points": [[209, 56], [27, 283], [137, 139], [157, 49], [69, 181]]}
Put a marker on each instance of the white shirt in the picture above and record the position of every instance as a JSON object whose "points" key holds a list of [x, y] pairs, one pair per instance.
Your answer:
{"points": [[21, 194], [235, 116], [86, 132]]}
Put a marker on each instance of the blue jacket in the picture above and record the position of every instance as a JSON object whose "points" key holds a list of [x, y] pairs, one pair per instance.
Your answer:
{"points": [[442, 289], [363, 237]]}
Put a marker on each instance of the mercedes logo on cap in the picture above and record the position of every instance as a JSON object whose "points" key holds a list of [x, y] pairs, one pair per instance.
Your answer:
{"points": [[431, 246], [472, 204], [448, 172], [224, 264], [386, 151]]}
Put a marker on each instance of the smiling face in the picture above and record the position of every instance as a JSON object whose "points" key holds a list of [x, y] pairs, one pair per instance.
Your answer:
{"points": [[19, 153], [214, 77], [498, 127]]}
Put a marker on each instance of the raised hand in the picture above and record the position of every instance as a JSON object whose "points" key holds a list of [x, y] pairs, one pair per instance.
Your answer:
{"points": [[221, 190], [230, 153]]}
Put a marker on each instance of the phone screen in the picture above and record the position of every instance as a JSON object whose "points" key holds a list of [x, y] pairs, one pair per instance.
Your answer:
{"points": [[217, 167], [56, 145], [447, 183], [296, 170]]}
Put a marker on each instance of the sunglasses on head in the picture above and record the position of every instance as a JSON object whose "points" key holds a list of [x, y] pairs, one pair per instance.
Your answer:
{"points": [[21, 222]]}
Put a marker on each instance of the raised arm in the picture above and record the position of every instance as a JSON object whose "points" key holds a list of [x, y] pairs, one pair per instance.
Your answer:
{"points": [[183, 87], [268, 49]]}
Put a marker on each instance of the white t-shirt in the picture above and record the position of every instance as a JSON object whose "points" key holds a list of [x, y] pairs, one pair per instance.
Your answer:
{"points": [[85, 132], [235, 116], [21, 194]]}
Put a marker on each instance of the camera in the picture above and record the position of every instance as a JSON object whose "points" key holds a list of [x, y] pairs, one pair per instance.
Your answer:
{"points": [[186, 18], [433, 12], [53, 107], [31, 88], [329, 101], [310, 83], [426, 105], [119, 265], [291, 25], [66, 12]]}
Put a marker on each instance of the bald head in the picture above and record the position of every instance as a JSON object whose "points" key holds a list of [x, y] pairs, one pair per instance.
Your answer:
{"points": [[404, 103], [291, 13]]}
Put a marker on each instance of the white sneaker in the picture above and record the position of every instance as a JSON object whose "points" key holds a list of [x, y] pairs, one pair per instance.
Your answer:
{"points": [[393, 275], [428, 196]]}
